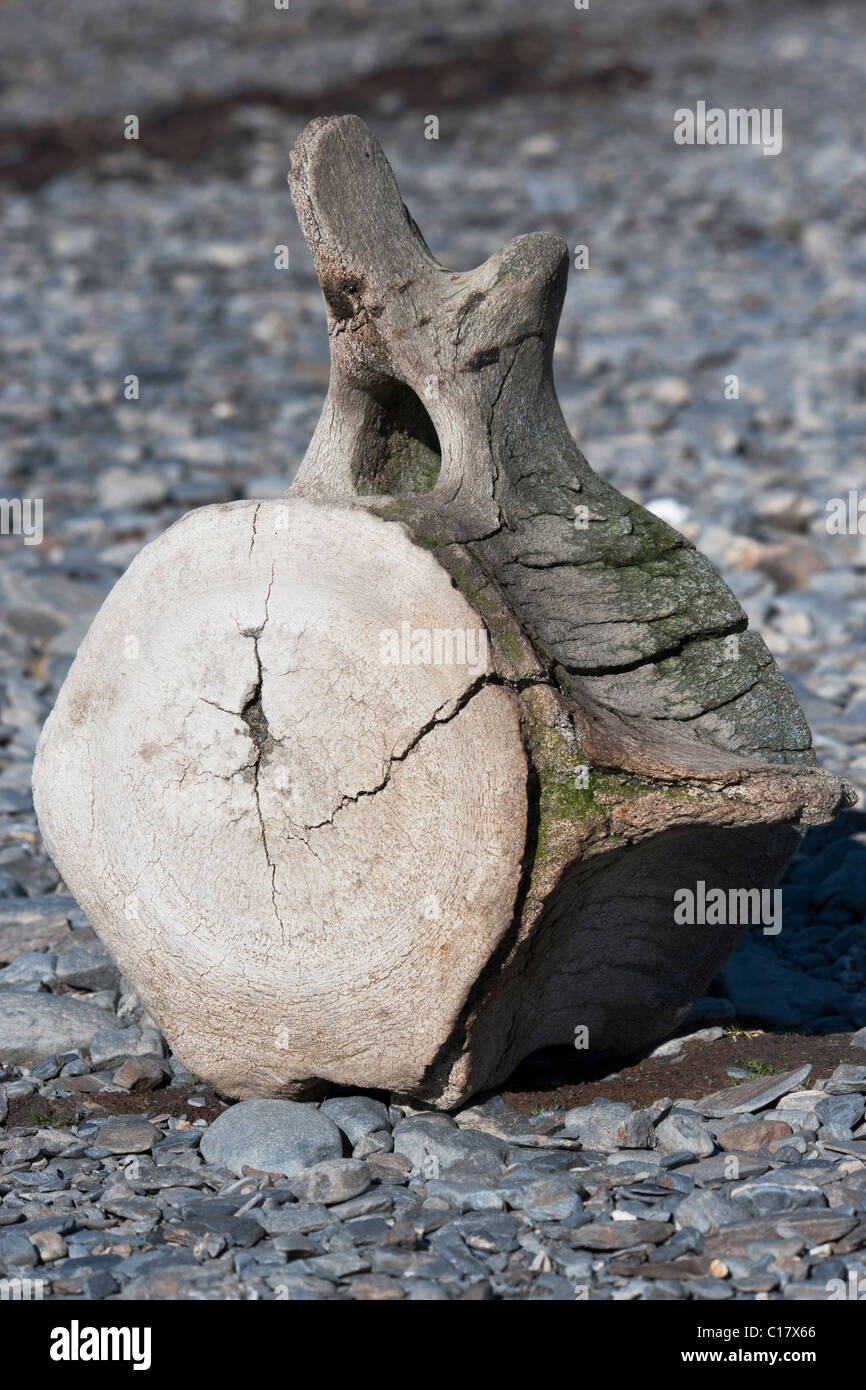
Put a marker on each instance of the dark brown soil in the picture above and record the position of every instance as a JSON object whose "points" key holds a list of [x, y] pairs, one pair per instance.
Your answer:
{"points": [[561, 1079], [556, 1079], [70, 1110], [205, 130]]}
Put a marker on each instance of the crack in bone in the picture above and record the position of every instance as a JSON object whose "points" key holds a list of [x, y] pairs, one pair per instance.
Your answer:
{"points": [[433, 723], [253, 715]]}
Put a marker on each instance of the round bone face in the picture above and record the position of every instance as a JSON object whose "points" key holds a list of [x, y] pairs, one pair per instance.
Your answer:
{"points": [[281, 785]]}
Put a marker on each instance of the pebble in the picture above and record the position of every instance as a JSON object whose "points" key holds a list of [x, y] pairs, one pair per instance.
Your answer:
{"points": [[270, 1136], [111, 1047], [357, 1116], [16, 1252], [127, 1134], [85, 965], [29, 970], [333, 1180], [51, 1245], [684, 1130], [139, 1074], [432, 1146], [599, 1125], [753, 1135]]}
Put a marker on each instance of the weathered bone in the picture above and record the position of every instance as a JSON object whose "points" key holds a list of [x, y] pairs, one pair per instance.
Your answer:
{"points": [[318, 866]]}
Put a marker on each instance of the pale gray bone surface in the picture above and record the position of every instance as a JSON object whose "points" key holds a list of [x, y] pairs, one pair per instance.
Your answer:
{"points": [[294, 845], [319, 868]]}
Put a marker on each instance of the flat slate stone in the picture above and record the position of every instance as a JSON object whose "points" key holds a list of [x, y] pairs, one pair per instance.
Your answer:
{"points": [[620, 1235], [33, 1026], [291, 1220], [752, 1095], [126, 1134], [816, 1227]]}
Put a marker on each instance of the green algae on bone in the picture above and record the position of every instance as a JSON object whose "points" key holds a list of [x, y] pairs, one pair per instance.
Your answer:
{"points": [[556, 760]]}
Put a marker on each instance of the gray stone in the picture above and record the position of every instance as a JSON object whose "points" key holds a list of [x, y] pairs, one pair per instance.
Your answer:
{"points": [[815, 1227], [550, 1198], [46, 1071], [241, 1232], [110, 1047], [372, 1203], [710, 1290], [432, 1147], [16, 1089], [674, 1046], [50, 1245], [33, 1026], [127, 1134], [465, 1195], [575, 1265], [104, 999], [16, 1251], [847, 1079], [599, 1125], [839, 1114], [636, 1158], [121, 488], [496, 1116], [132, 1208], [332, 1180], [801, 1120], [29, 970], [85, 964], [682, 1129], [638, 1131], [380, 1141], [140, 1074], [775, 1192], [705, 1212], [338, 1264], [619, 1235], [479, 1166], [724, 1167], [290, 1220], [356, 1116], [425, 1291], [490, 1235], [271, 1136], [304, 1288]]}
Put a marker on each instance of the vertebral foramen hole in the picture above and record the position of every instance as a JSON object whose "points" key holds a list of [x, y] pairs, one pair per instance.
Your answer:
{"points": [[404, 455]]}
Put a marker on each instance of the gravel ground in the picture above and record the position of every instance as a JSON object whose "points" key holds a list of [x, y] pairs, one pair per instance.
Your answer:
{"points": [[120, 1175]]}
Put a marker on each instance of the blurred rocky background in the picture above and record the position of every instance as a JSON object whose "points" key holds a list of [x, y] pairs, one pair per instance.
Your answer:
{"points": [[121, 1175]]}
